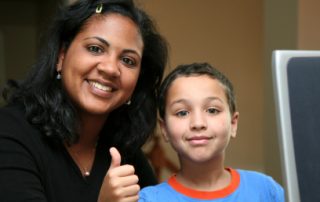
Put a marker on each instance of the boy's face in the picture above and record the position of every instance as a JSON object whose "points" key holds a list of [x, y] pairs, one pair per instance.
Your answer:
{"points": [[197, 122]]}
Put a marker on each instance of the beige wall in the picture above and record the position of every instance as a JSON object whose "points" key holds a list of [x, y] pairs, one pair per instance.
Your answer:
{"points": [[308, 24], [229, 36], [18, 37], [2, 58], [21, 22], [280, 32]]}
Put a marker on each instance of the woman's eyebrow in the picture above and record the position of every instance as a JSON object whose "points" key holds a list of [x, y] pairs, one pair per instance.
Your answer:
{"points": [[99, 39], [105, 42]]}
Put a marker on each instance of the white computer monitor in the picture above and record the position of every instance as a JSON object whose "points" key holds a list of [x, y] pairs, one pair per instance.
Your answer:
{"points": [[296, 79]]}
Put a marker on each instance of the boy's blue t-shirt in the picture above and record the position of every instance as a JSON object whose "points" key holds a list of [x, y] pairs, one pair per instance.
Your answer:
{"points": [[248, 186]]}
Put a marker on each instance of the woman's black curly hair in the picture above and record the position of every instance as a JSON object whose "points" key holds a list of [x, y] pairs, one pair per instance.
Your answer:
{"points": [[48, 106]]}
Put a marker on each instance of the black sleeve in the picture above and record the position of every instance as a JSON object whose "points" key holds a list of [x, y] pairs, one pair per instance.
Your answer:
{"points": [[19, 178], [144, 170]]}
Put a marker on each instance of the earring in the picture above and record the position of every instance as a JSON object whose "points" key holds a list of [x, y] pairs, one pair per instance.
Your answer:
{"points": [[128, 102], [58, 76]]}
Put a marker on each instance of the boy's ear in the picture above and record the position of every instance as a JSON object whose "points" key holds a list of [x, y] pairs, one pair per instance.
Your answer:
{"points": [[234, 124], [163, 129]]}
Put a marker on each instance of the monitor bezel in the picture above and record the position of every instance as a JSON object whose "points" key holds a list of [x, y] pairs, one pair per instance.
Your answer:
{"points": [[280, 60]]}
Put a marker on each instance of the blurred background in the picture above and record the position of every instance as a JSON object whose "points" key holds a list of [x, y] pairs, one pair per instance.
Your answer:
{"points": [[237, 37]]}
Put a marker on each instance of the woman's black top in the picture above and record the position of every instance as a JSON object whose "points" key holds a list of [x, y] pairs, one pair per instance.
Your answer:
{"points": [[33, 169]]}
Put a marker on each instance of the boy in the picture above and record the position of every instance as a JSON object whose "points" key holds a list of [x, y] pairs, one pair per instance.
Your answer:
{"points": [[198, 117]]}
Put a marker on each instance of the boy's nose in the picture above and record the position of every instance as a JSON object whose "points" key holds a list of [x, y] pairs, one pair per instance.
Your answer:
{"points": [[198, 121]]}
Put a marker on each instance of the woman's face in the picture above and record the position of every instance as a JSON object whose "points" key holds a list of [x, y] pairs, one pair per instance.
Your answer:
{"points": [[101, 67]]}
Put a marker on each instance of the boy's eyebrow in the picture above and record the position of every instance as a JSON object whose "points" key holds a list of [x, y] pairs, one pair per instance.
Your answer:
{"points": [[214, 98], [178, 101], [183, 100]]}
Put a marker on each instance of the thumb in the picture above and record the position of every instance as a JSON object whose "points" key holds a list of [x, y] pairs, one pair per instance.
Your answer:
{"points": [[115, 158]]}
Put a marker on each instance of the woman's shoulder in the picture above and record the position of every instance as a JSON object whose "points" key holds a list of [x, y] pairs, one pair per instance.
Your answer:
{"points": [[19, 138], [11, 115], [14, 124]]}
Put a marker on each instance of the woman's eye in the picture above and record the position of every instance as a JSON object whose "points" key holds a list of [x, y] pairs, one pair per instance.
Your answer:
{"points": [[182, 113], [95, 49], [128, 61], [212, 111]]}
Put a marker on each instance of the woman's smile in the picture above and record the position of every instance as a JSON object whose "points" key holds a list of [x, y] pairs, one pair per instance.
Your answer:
{"points": [[101, 86]]}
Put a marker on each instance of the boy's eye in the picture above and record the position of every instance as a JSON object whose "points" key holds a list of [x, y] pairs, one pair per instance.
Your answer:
{"points": [[212, 111], [182, 113], [128, 61], [95, 49]]}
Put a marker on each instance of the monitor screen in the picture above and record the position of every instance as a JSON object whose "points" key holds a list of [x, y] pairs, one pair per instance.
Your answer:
{"points": [[296, 79]]}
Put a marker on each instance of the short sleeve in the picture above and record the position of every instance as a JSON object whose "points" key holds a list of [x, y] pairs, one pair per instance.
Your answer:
{"points": [[147, 194], [276, 191]]}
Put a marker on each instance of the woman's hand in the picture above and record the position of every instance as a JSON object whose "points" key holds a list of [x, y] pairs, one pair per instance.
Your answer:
{"points": [[120, 183]]}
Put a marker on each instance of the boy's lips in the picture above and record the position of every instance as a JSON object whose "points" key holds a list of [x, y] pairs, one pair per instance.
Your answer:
{"points": [[198, 140]]}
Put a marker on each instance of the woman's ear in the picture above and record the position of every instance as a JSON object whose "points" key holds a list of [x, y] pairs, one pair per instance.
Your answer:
{"points": [[163, 129], [234, 124], [60, 60]]}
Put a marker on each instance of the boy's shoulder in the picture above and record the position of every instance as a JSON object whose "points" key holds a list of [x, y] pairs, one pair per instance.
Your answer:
{"points": [[254, 181], [161, 187], [152, 193], [253, 175]]}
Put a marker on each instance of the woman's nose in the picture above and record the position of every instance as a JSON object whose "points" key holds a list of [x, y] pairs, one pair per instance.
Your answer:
{"points": [[109, 67]]}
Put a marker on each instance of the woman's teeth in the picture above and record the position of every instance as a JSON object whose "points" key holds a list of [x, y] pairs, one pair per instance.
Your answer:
{"points": [[101, 87]]}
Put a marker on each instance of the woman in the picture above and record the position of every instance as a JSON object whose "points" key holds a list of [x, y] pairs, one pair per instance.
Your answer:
{"points": [[91, 92]]}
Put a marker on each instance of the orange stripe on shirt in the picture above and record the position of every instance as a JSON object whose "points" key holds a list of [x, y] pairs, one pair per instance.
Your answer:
{"points": [[235, 181]]}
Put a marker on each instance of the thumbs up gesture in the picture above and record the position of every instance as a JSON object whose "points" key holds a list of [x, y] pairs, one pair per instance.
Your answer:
{"points": [[120, 182]]}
